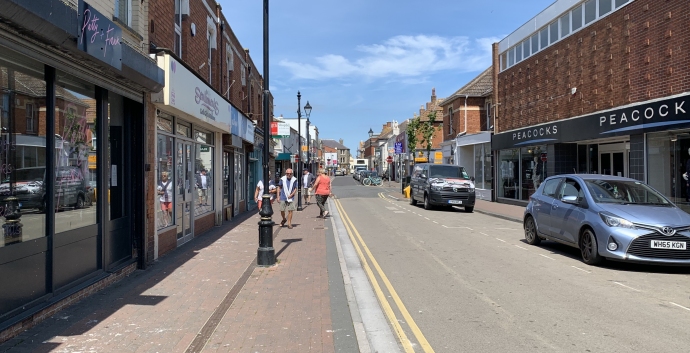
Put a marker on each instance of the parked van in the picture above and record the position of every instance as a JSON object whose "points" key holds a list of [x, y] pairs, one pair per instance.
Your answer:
{"points": [[443, 185]]}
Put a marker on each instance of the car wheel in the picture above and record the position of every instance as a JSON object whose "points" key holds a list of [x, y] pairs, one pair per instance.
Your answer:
{"points": [[531, 232], [469, 209], [413, 202], [427, 204], [588, 248], [80, 202]]}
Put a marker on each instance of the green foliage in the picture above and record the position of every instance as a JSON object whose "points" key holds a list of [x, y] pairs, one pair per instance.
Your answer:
{"points": [[412, 129], [428, 130]]}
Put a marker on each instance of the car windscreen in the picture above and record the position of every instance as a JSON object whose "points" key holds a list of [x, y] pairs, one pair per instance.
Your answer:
{"points": [[624, 192], [447, 171]]}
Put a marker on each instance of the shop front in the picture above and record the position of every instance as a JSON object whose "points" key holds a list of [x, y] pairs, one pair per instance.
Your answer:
{"points": [[195, 169], [72, 159], [643, 141], [473, 152]]}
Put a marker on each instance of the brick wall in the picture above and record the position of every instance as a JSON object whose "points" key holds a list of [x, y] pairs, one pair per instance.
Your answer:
{"points": [[635, 54], [150, 180], [476, 116], [204, 223]]}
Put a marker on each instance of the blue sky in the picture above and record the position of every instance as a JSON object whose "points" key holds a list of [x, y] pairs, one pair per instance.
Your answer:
{"points": [[361, 63]]}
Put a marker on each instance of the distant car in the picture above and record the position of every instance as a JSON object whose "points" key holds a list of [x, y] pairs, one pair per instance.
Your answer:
{"points": [[339, 172], [356, 174], [30, 188], [608, 217]]}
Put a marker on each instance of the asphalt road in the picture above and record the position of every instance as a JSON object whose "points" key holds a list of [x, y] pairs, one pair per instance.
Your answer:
{"points": [[471, 284]]}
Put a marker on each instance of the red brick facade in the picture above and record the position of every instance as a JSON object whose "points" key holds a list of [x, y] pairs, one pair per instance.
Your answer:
{"points": [[476, 116], [635, 54]]}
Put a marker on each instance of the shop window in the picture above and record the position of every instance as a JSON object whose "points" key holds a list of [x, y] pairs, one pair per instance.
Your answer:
{"points": [[509, 164], [204, 170], [184, 130], [75, 157], [227, 196], [165, 125], [22, 170], [577, 18], [166, 182], [479, 166]]}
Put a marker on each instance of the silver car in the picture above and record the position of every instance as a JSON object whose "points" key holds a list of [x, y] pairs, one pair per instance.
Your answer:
{"points": [[608, 217]]}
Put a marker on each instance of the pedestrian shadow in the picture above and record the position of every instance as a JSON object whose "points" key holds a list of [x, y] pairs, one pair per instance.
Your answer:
{"points": [[287, 243]]}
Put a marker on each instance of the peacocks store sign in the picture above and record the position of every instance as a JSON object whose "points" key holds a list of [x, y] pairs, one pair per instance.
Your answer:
{"points": [[650, 116]]}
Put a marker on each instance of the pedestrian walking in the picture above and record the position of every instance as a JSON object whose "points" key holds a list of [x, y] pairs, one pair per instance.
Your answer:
{"points": [[307, 186], [259, 191], [203, 182], [322, 189], [165, 190], [287, 187]]}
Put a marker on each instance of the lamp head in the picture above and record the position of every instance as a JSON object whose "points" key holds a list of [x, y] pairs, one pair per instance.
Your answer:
{"points": [[371, 132], [307, 110]]}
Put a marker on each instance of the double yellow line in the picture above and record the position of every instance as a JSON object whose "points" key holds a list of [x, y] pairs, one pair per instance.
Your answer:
{"points": [[356, 239]]}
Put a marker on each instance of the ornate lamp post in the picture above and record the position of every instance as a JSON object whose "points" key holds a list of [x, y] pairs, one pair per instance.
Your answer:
{"points": [[266, 255], [298, 172], [371, 134], [307, 111]]}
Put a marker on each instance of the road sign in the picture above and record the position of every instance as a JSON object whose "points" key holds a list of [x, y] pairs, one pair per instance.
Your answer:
{"points": [[389, 159], [543, 157], [398, 148]]}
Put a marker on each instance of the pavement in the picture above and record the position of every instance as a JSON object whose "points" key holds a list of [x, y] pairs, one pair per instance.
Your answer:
{"points": [[500, 210], [210, 296]]}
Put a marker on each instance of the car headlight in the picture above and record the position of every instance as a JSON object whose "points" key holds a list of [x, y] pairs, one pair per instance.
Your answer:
{"points": [[471, 190], [613, 221], [436, 187]]}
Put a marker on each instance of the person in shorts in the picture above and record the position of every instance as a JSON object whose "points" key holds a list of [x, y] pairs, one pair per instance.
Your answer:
{"points": [[307, 183], [165, 190], [286, 190]]}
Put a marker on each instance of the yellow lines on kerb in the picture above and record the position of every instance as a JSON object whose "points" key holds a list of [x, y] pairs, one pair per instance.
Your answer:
{"points": [[354, 237], [381, 195]]}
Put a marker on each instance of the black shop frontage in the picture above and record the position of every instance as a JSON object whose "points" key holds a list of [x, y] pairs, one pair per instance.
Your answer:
{"points": [[647, 141], [72, 157]]}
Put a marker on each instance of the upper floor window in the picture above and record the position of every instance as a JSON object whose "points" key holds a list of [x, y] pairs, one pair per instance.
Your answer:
{"points": [[230, 65], [177, 47], [211, 37], [450, 120], [30, 118], [123, 11]]}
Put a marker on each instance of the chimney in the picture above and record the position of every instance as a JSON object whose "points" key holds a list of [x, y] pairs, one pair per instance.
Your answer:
{"points": [[341, 141], [433, 95]]}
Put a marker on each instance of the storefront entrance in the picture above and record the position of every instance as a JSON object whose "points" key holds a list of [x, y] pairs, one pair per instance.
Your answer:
{"points": [[184, 197], [613, 159]]}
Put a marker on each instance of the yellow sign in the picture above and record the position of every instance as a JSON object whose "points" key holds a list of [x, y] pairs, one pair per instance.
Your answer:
{"points": [[304, 149], [421, 159], [92, 161], [438, 157]]}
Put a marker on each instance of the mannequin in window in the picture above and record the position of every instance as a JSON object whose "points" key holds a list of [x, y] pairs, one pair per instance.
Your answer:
{"points": [[537, 172]]}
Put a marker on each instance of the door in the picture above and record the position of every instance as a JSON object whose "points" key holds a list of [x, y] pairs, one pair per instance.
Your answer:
{"points": [[183, 190], [543, 205], [613, 159], [567, 217]]}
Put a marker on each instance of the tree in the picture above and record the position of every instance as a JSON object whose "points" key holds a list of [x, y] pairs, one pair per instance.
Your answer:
{"points": [[428, 129], [412, 130]]}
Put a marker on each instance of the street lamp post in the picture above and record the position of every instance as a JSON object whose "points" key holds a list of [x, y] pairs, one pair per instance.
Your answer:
{"points": [[371, 134], [266, 255], [298, 173], [307, 111]]}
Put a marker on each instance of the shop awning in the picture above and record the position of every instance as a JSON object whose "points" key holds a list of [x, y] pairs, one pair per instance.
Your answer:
{"points": [[283, 156]]}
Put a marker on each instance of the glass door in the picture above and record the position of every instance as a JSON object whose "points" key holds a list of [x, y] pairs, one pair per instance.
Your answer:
{"points": [[613, 162], [183, 191]]}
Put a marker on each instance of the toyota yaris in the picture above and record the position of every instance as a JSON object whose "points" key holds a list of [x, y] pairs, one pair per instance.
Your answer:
{"points": [[608, 217]]}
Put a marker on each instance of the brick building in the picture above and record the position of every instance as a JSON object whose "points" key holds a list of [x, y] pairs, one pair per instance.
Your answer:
{"points": [[597, 86], [467, 130], [435, 155], [206, 120]]}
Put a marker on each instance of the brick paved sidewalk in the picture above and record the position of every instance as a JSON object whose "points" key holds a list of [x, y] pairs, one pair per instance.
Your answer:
{"points": [[192, 293]]}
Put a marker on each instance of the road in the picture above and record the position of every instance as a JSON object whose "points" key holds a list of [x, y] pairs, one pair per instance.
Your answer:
{"points": [[470, 283]]}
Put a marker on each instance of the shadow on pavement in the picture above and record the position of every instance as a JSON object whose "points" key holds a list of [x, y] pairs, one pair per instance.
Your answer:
{"points": [[287, 243]]}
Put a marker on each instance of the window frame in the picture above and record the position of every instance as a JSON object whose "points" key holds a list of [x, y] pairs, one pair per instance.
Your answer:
{"points": [[30, 117], [558, 182]]}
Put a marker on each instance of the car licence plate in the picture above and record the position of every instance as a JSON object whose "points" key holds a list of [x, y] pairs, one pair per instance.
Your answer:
{"points": [[457, 202], [666, 244]]}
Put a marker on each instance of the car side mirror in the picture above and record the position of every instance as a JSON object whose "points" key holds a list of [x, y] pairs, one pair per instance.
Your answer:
{"points": [[572, 200], [423, 176]]}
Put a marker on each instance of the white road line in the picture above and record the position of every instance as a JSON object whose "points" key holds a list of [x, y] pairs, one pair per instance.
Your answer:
{"points": [[623, 285], [435, 222], [392, 208], [580, 269], [398, 211], [501, 240], [518, 246], [680, 306], [550, 258], [484, 234], [427, 218], [507, 228], [445, 226]]}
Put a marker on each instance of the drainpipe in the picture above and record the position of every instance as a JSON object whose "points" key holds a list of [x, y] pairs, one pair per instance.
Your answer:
{"points": [[461, 133]]}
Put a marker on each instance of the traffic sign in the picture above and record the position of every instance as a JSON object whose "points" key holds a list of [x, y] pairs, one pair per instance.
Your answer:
{"points": [[389, 159], [543, 157], [398, 148]]}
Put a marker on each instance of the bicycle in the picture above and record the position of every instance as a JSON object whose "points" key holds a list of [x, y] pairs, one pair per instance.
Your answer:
{"points": [[376, 181]]}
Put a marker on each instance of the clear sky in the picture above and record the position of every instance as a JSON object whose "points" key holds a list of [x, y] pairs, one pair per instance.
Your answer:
{"points": [[361, 63]]}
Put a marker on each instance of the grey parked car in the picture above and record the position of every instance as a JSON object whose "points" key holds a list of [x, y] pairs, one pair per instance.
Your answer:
{"points": [[608, 217]]}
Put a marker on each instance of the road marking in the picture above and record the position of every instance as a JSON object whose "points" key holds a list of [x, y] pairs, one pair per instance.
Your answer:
{"points": [[435, 222], [392, 208], [518, 246], [623, 285], [445, 226], [506, 228], [427, 218], [500, 240], [580, 269], [484, 234], [550, 258], [398, 211], [680, 306], [406, 343]]}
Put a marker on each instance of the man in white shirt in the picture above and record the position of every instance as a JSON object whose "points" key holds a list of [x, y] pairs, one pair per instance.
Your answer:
{"points": [[203, 182], [307, 183], [286, 190]]}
